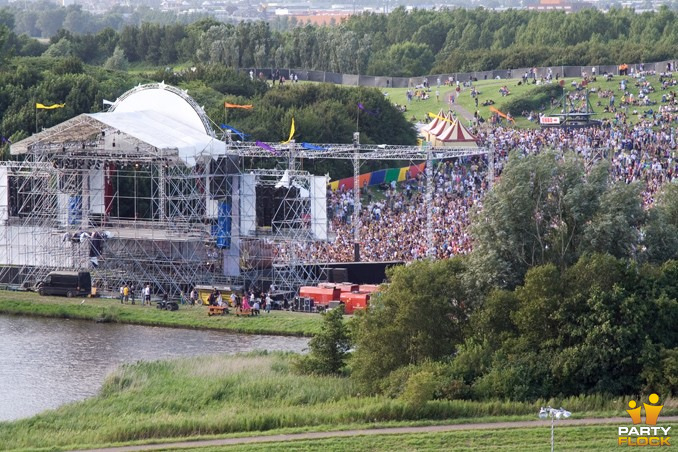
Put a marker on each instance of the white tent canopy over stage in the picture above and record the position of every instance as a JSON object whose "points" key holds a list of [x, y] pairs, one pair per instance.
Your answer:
{"points": [[161, 199], [154, 121]]}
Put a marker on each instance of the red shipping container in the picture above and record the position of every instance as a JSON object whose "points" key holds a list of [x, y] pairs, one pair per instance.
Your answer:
{"points": [[320, 295], [368, 288], [354, 301], [347, 287]]}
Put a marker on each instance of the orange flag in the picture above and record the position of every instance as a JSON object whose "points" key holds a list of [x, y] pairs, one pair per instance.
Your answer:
{"points": [[245, 107], [503, 115]]}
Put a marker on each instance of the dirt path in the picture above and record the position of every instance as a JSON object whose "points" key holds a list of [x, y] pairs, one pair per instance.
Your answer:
{"points": [[376, 431], [461, 111]]}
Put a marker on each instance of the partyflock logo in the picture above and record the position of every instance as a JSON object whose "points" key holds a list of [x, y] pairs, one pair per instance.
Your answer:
{"points": [[648, 435]]}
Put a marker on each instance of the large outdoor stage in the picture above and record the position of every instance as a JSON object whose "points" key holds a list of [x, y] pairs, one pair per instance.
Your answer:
{"points": [[148, 193]]}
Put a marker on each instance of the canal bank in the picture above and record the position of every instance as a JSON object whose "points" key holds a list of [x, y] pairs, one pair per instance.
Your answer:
{"points": [[281, 323], [46, 363]]}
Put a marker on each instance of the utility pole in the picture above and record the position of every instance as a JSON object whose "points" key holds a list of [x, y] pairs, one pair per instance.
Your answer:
{"points": [[356, 197]]}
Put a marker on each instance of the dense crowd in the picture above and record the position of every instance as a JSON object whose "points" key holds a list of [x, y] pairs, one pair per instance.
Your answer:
{"points": [[393, 217]]}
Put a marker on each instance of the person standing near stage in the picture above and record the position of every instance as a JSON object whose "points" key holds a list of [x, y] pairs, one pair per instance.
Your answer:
{"points": [[268, 303], [147, 295]]}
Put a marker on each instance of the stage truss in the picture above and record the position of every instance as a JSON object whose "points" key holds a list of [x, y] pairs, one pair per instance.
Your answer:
{"points": [[132, 213]]}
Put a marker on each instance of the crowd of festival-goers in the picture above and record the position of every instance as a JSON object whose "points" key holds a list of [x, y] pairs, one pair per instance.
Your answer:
{"points": [[640, 142]]}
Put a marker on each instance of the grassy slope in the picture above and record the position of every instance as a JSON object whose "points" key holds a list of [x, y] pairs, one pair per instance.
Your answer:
{"points": [[205, 396], [278, 322], [489, 89]]}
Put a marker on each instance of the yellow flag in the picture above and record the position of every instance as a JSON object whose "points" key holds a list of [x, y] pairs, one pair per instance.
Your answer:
{"points": [[291, 132], [50, 107], [433, 115]]}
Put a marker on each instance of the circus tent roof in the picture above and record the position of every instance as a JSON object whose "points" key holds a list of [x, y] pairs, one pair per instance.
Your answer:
{"points": [[454, 135], [433, 123], [458, 133]]}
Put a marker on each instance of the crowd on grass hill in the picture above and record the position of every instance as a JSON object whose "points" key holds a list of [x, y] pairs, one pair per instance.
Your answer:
{"points": [[393, 219]]}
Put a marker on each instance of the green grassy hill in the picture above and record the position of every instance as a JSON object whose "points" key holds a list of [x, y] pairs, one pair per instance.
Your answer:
{"points": [[489, 89]]}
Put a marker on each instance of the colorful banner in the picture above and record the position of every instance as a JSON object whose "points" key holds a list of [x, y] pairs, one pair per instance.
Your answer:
{"points": [[379, 177], [312, 147]]}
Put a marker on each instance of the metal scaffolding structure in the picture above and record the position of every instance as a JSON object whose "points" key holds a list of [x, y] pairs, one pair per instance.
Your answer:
{"points": [[103, 193]]}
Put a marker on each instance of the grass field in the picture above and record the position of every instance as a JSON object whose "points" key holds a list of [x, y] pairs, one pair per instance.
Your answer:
{"points": [[217, 396], [277, 322], [579, 438], [489, 89]]}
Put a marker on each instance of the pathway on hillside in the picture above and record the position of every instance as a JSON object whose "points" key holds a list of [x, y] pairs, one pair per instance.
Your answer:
{"points": [[458, 109], [377, 431]]}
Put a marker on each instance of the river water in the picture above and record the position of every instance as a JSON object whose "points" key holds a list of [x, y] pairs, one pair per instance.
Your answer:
{"points": [[45, 363]]}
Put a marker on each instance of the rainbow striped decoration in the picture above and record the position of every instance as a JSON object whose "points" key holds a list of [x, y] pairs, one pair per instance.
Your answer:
{"points": [[379, 177]]}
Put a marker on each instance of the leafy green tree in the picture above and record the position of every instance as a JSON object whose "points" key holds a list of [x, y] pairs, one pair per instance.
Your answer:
{"points": [[62, 48], [403, 60], [50, 20], [419, 316], [548, 209], [660, 234], [117, 61], [589, 328], [328, 348]]}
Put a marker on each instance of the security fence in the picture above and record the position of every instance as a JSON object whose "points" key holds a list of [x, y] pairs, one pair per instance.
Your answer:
{"points": [[404, 82]]}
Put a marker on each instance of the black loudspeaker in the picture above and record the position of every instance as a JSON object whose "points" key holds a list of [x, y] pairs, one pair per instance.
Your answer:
{"points": [[219, 171], [307, 305], [265, 205], [13, 196], [339, 275]]}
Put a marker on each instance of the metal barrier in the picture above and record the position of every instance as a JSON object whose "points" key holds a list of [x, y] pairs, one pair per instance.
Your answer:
{"points": [[405, 82]]}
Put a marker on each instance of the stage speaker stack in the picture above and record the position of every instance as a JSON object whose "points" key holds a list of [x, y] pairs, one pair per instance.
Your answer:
{"points": [[339, 275]]}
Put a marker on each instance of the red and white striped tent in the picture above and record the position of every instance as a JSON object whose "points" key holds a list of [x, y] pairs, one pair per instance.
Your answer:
{"points": [[454, 135], [437, 125]]}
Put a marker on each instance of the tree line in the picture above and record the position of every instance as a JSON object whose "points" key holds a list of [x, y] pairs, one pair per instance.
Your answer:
{"points": [[401, 43]]}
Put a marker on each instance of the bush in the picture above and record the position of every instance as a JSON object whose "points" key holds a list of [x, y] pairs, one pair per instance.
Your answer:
{"points": [[534, 99], [328, 348], [420, 388]]}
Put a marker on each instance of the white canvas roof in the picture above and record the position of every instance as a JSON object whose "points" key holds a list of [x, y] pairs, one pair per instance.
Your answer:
{"points": [[154, 120], [162, 132]]}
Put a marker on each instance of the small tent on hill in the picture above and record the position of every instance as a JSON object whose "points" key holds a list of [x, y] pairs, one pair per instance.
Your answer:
{"points": [[451, 134], [437, 125]]}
